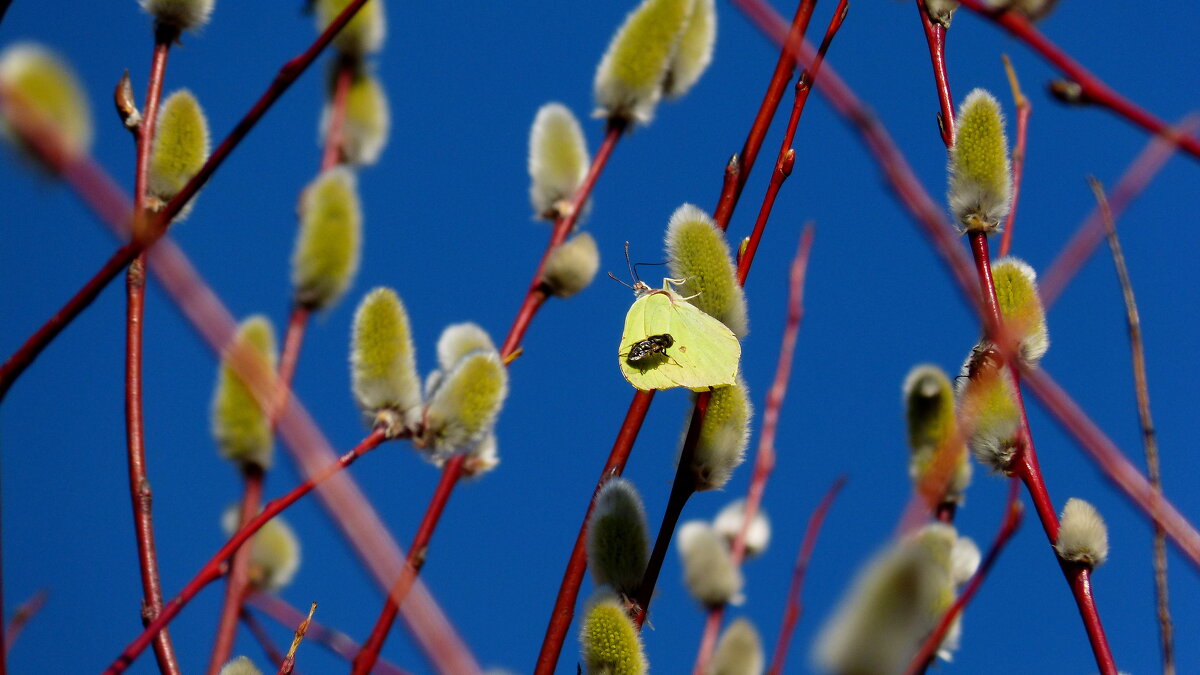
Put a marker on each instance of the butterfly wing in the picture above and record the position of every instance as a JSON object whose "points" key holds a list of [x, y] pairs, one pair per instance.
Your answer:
{"points": [[649, 315], [705, 353]]}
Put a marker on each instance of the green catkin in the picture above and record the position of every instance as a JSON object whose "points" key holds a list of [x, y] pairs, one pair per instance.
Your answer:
{"points": [[611, 645], [929, 409], [724, 434], [629, 80], [46, 87], [383, 362], [180, 145], [558, 160], [1021, 307], [363, 35], [695, 50], [464, 406], [329, 243], [274, 551], [980, 176], [739, 651], [367, 122], [1082, 535], [241, 665], [618, 544], [698, 253], [240, 425], [182, 14], [571, 266]]}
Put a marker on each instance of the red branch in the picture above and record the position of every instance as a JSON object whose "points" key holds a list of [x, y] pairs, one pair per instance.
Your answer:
{"points": [[1093, 89], [238, 580], [21, 616], [214, 568], [935, 37], [791, 612], [140, 494], [1024, 108], [1089, 235], [332, 156], [1008, 527], [335, 641], [764, 459]]}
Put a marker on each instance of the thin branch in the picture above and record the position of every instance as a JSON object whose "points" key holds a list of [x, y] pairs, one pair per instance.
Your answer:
{"points": [[1137, 176], [1092, 88], [935, 38], [335, 641], [332, 155], [764, 459], [215, 567], [1008, 527], [1024, 108], [237, 581], [791, 612], [289, 662], [140, 494], [21, 618], [1149, 437]]}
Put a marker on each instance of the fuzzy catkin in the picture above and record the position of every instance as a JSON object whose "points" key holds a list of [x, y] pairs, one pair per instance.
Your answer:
{"points": [[618, 545], [558, 160], [464, 407], [611, 645], [182, 14], [367, 122], [274, 550], [724, 435], [48, 88], [739, 651], [329, 243], [929, 408], [708, 570], [1082, 535], [629, 80], [571, 266], [241, 665], [728, 524], [383, 361], [180, 145], [695, 50], [364, 33], [698, 253], [980, 176], [240, 424], [1021, 307]]}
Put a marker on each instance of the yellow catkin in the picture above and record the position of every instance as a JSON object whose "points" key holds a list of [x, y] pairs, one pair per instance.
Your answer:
{"points": [[328, 244], [465, 405], [724, 435], [1021, 306], [558, 160], [611, 644], [695, 49], [367, 122], [980, 177], [629, 81], [180, 145], [383, 361], [571, 266], [241, 427], [365, 32], [617, 541], [45, 87], [934, 465], [698, 253]]}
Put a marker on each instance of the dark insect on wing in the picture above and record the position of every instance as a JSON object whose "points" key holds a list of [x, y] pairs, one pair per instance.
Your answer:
{"points": [[651, 346]]}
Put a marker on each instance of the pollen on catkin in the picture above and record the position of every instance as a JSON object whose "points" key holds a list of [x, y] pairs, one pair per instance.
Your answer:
{"points": [[241, 665], [629, 80], [329, 243], [698, 253], [240, 425], [180, 145], [363, 35], [367, 121], [695, 50], [891, 608], [274, 551], [708, 570], [941, 11], [1021, 306], [182, 14], [383, 362], [988, 408], [739, 651], [463, 408], [724, 434], [36, 81], [929, 408], [980, 176], [728, 524], [1082, 534], [571, 266], [611, 645], [618, 545], [558, 160]]}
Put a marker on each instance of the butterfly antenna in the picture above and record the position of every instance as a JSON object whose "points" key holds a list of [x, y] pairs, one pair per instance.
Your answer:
{"points": [[632, 274], [634, 267], [614, 278]]}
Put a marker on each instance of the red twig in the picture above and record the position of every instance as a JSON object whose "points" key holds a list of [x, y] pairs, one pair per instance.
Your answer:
{"points": [[293, 339], [1024, 108], [764, 459], [21, 617], [365, 661], [151, 232], [337, 642], [1094, 90], [141, 496], [260, 634], [214, 568], [238, 580], [1008, 527], [791, 612], [332, 156], [935, 37], [1089, 235]]}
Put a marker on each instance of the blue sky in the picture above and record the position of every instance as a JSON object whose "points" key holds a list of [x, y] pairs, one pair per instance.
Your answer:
{"points": [[448, 226]]}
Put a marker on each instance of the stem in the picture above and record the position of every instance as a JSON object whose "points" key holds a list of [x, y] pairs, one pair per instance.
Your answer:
{"points": [[141, 496], [791, 612], [24, 613], [1025, 466], [292, 341], [1094, 89], [365, 661], [764, 459], [337, 642], [1149, 437], [935, 37], [214, 568], [332, 155], [1024, 108], [1085, 240], [568, 590], [237, 582], [288, 73], [739, 167], [1012, 520]]}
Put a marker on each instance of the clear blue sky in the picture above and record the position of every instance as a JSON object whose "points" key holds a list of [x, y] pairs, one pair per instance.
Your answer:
{"points": [[448, 225]]}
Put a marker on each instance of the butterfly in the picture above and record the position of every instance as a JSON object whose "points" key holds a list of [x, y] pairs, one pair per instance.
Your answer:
{"points": [[668, 342]]}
